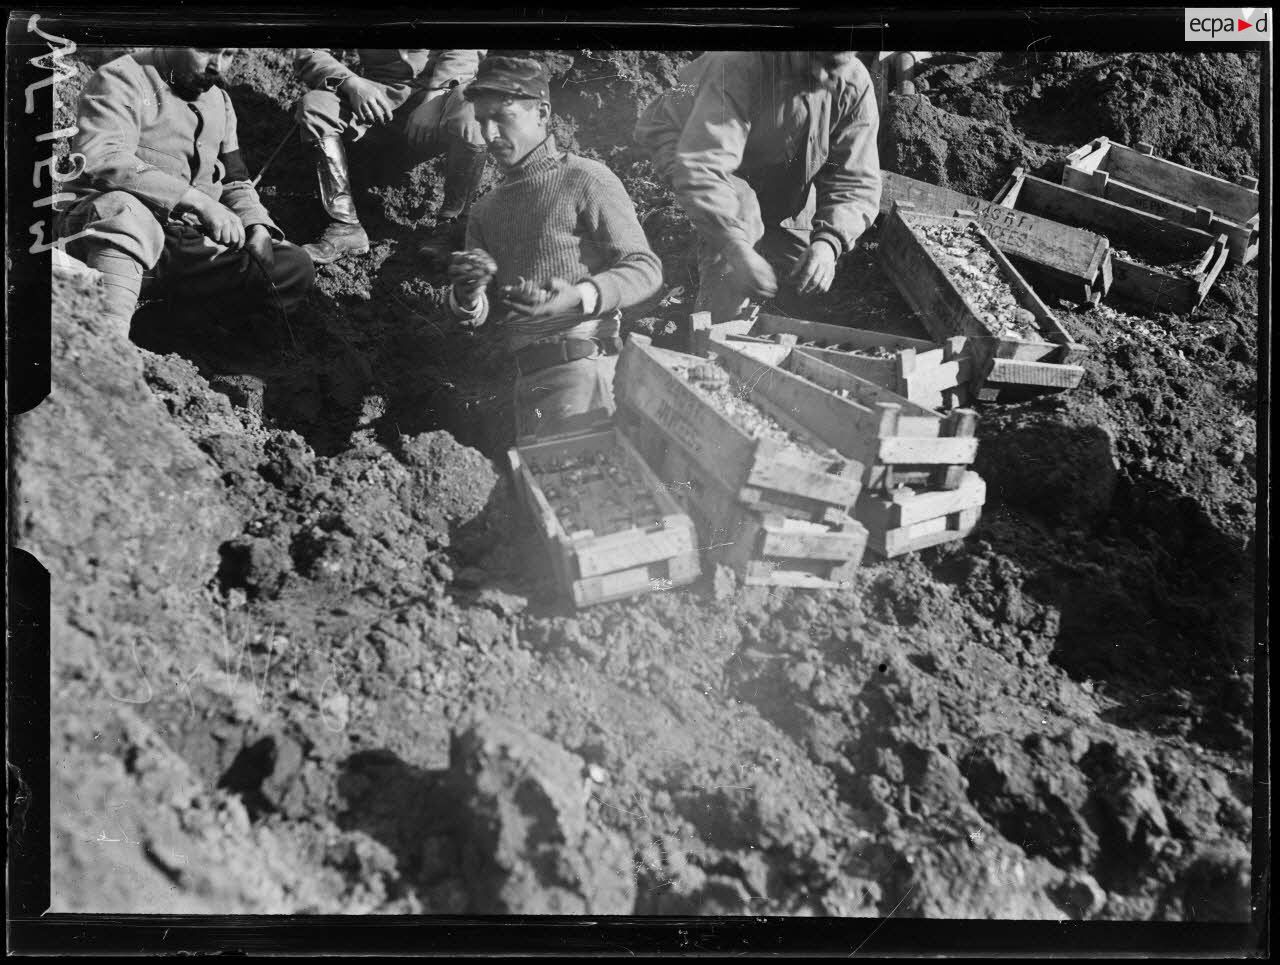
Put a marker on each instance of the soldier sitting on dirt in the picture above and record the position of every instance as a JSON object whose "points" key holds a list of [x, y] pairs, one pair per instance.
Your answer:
{"points": [[569, 253], [773, 154], [418, 95], [164, 199]]}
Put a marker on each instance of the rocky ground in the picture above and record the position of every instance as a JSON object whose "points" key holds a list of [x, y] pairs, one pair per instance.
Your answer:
{"points": [[306, 657]]}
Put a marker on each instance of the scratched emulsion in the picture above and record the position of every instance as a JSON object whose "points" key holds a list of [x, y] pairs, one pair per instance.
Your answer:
{"points": [[306, 657]]}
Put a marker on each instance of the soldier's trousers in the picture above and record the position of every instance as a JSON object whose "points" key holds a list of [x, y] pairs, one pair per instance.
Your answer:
{"points": [[179, 261], [451, 117]]}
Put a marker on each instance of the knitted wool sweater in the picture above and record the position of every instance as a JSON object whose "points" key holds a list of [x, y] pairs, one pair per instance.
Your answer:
{"points": [[559, 215]]}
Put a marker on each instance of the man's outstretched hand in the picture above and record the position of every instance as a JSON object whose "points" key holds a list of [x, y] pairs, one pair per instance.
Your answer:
{"points": [[748, 273], [557, 297], [368, 100], [815, 270]]}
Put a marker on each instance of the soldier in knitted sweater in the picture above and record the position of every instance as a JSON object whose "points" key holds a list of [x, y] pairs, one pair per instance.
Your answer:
{"points": [[567, 254], [163, 199]]}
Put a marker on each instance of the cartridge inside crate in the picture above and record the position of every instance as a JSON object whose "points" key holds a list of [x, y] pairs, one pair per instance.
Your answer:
{"points": [[592, 486]]}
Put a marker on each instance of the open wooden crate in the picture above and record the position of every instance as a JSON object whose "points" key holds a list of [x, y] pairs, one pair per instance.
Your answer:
{"points": [[891, 436], [1063, 260], [919, 490], [1003, 367], [923, 372], [1144, 277], [594, 565], [1139, 179], [763, 546], [805, 481]]}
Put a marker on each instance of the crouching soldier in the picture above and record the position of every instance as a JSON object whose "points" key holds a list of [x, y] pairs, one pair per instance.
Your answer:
{"points": [[567, 254], [418, 95], [164, 201], [773, 157]]}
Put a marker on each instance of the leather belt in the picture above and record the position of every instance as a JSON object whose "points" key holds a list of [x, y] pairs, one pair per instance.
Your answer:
{"points": [[543, 355]]}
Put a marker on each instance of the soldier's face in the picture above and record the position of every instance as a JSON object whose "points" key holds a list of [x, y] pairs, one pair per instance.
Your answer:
{"points": [[511, 126], [830, 69], [196, 69]]}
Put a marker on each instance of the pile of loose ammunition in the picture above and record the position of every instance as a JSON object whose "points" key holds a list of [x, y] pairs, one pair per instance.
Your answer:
{"points": [[598, 491], [978, 277], [732, 398]]}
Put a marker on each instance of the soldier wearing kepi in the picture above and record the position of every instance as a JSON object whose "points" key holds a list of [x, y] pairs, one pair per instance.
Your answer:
{"points": [[773, 156], [418, 95], [567, 253], [164, 200]]}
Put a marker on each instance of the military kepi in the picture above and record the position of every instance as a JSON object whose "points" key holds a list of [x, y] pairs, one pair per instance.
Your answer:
{"points": [[511, 76]]}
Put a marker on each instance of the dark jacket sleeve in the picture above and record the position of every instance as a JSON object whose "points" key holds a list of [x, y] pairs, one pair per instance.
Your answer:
{"points": [[238, 193], [609, 219], [848, 185], [108, 127]]}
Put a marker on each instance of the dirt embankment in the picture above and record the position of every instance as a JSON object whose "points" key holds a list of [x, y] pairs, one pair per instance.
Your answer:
{"points": [[306, 657]]}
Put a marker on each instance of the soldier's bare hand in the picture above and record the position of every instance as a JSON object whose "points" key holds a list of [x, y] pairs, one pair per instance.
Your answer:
{"points": [[368, 100], [557, 297], [815, 270], [748, 272], [222, 225]]}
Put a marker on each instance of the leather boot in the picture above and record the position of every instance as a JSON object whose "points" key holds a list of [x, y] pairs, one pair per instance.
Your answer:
{"points": [[344, 234], [121, 283], [463, 171]]}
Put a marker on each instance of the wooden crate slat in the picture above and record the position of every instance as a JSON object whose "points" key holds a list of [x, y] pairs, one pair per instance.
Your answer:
{"points": [[906, 507], [922, 535], [908, 450], [766, 324], [763, 573], [666, 574], [617, 551], [807, 544], [1044, 374], [1075, 255], [862, 391]]}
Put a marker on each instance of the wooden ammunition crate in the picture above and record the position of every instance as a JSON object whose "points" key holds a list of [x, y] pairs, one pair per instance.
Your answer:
{"points": [[1003, 367], [892, 437], [922, 372], [761, 544], [1157, 241], [650, 554], [1139, 179], [806, 483], [1059, 259], [905, 520]]}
